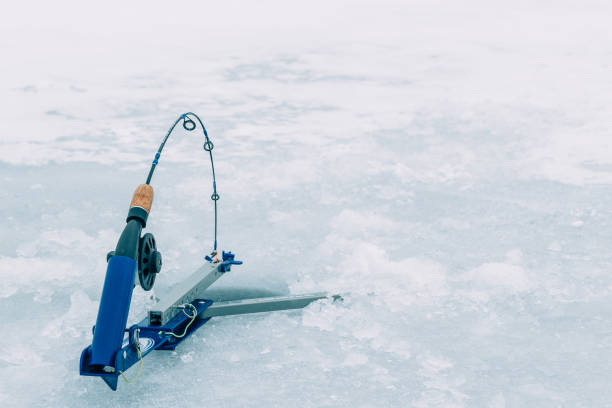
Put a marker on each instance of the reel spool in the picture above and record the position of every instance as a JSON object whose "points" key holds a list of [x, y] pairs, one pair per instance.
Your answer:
{"points": [[149, 261]]}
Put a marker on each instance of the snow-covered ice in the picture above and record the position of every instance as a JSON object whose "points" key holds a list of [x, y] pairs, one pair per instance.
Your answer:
{"points": [[446, 167]]}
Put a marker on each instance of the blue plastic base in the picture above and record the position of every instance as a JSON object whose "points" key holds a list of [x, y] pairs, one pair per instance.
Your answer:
{"points": [[150, 338]]}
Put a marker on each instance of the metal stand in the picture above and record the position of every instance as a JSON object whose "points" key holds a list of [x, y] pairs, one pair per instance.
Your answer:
{"points": [[175, 317]]}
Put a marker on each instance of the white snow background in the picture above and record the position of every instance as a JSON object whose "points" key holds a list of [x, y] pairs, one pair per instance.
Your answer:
{"points": [[444, 166]]}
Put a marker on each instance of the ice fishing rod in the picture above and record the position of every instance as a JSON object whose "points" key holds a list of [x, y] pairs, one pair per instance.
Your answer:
{"points": [[177, 314], [149, 258]]}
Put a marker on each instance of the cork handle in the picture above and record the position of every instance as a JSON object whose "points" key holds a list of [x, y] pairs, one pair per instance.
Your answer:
{"points": [[143, 197]]}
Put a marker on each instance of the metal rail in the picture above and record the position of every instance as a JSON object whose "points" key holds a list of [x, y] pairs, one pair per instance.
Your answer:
{"points": [[259, 305], [185, 292]]}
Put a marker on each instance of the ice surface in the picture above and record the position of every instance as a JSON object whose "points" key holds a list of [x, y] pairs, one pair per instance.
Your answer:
{"points": [[447, 168]]}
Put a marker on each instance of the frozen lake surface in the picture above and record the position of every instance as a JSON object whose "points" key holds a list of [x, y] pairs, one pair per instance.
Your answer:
{"points": [[447, 169]]}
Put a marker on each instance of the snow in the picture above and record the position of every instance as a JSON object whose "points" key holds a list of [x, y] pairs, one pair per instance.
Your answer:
{"points": [[445, 167]]}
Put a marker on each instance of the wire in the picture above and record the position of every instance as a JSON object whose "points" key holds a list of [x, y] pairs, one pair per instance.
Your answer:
{"points": [[139, 366], [137, 345], [189, 125], [195, 314]]}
